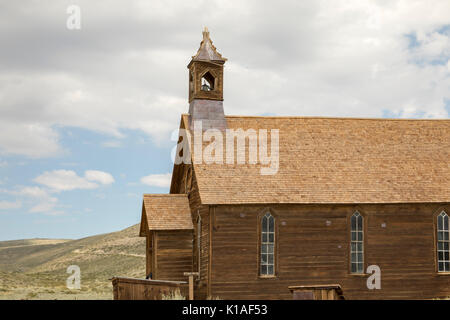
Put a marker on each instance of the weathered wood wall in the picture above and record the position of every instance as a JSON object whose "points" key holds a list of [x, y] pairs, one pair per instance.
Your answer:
{"points": [[202, 262], [312, 247], [141, 289], [172, 254]]}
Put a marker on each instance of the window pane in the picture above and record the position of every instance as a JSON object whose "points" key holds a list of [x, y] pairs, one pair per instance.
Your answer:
{"points": [[360, 257], [270, 248], [440, 235], [440, 255], [264, 248], [263, 269], [360, 236], [360, 268], [353, 235], [270, 270], [445, 235], [264, 258], [440, 225], [264, 237], [353, 267], [360, 223], [271, 237], [440, 245], [271, 224], [353, 220], [447, 266], [264, 224], [445, 246], [445, 222], [270, 260], [446, 256], [354, 247], [354, 256], [360, 247]]}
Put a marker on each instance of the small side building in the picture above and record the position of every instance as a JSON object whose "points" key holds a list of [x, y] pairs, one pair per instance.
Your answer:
{"points": [[167, 226]]}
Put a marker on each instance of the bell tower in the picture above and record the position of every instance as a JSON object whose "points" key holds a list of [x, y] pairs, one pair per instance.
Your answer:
{"points": [[206, 85]]}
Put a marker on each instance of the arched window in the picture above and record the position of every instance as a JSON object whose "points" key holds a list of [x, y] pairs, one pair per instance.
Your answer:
{"points": [[208, 82], [357, 243], [443, 243], [267, 264]]}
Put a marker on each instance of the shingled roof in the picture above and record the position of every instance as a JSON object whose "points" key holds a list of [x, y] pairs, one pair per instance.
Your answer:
{"points": [[337, 160], [165, 212]]}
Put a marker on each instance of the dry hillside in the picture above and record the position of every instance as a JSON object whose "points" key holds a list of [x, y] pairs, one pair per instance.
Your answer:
{"points": [[36, 268]]}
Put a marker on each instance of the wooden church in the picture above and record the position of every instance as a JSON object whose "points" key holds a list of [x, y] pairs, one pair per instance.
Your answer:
{"points": [[348, 193]]}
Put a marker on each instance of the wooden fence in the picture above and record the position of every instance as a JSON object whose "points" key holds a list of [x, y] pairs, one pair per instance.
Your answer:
{"points": [[317, 292], [143, 289]]}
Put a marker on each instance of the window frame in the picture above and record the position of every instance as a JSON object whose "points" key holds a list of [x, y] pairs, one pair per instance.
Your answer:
{"points": [[436, 216], [364, 242], [259, 244]]}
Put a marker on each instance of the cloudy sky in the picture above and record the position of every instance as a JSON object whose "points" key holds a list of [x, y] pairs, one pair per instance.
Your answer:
{"points": [[86, 115]]}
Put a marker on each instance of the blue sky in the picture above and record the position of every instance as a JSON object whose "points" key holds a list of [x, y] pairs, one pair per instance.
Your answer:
{"points": [[81, 212], [86, 115]]}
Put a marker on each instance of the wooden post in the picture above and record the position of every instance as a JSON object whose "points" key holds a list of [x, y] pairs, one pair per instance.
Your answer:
{"points": [[191, 283]]}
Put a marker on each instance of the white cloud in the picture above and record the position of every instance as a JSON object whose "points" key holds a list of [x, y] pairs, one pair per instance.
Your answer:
{"points": [[99, 176], [3, 163], [157, 180], [39, 200], [42, 200], [35, 192], [5, 205], [46, 206], [65, 180], [34, 140]]}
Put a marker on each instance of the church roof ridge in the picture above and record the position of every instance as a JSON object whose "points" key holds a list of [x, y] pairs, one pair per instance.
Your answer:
{"points": [[336, 118], [329, 118]]}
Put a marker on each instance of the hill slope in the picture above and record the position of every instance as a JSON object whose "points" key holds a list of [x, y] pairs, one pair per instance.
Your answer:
{"points": [[36, 268]]}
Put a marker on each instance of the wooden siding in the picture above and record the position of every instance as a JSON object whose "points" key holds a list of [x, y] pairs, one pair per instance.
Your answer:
{"points": [[201, 288], [313, 248], [172, 254]]}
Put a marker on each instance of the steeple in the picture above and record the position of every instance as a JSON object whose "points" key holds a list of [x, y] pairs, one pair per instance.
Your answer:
{"points": [[207, 51], [206, 71], [206, 85]]}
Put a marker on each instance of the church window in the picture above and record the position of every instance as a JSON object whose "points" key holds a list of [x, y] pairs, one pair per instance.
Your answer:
{"points": [[357, 243], [443, 243], [267, 263]]}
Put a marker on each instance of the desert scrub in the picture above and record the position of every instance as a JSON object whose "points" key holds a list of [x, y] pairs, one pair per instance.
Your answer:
{"points": [[31, 295]]}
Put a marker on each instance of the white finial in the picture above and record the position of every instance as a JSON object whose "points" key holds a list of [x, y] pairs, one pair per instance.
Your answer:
{"points": [[205, 33]]}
